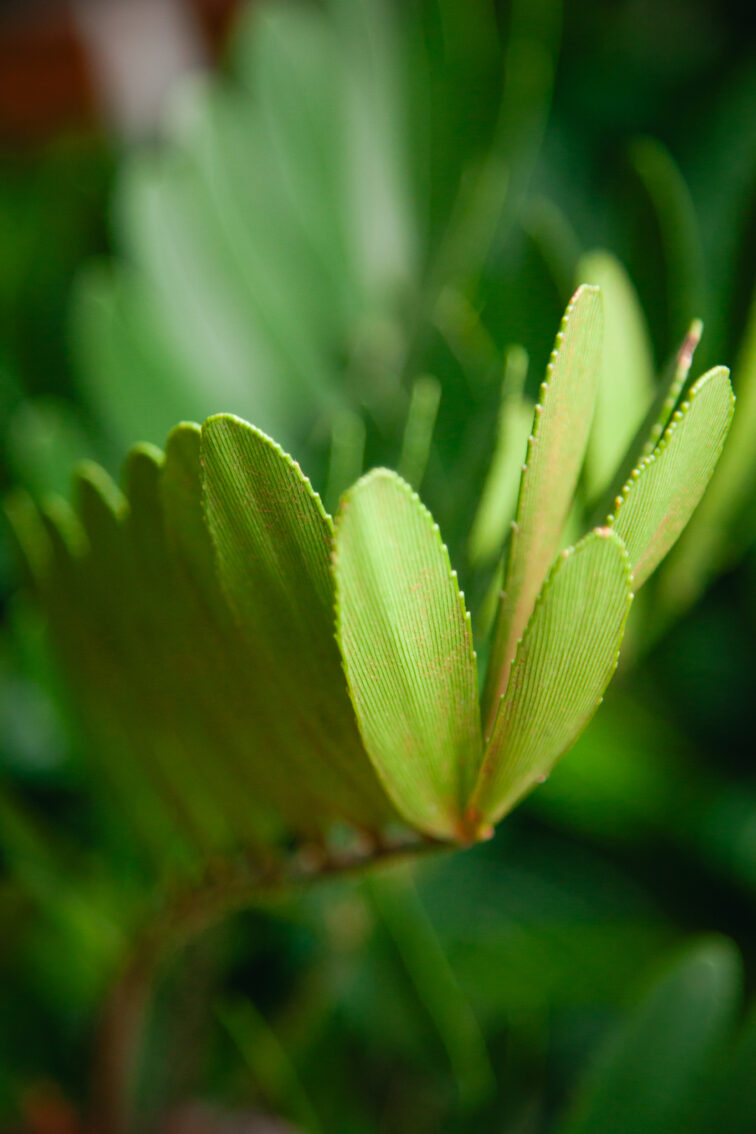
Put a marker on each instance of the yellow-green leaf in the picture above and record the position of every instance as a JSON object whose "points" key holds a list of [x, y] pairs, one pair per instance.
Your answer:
{"points": [[554, 459], [665, 488], [407, 648], [562, 667]]}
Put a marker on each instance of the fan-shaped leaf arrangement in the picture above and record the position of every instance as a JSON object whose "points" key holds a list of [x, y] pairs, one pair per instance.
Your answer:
{"points": [[250, 672]]}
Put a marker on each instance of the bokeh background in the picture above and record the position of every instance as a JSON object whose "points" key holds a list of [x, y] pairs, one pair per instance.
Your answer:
{"points": [[295, 212]]}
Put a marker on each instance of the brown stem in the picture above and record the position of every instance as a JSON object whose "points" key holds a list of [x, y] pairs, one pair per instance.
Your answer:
{"points": [[185, 916]]}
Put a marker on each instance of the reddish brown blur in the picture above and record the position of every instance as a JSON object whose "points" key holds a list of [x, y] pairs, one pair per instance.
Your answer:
{"points": [[45, 81]]}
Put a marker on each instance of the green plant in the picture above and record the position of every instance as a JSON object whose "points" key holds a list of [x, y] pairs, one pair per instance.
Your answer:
{"points": [[248, 276], [196, 618], [250, 672]]}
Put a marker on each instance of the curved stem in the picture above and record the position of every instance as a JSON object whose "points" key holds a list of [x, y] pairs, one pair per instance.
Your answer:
{"points": [[187, 915]]}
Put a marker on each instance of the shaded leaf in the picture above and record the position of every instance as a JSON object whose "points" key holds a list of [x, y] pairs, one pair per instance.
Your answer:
{"points": [[554, 458], [180, 488], [43, 441], [31, 541], [562, 667], [407, 648], [662, 493], [347, 454], [647, 1078], [664, 243], [499, 497], [266, 1058], [435, 983], [242, 728], [627, 370], [730, 1104], [272, 543], [418, 429], [189, 679], [111, 670]]}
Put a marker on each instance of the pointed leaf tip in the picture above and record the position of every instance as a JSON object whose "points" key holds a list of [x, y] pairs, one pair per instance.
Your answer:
{"points": [[562, 667], [556, 449], [407, 649], [664, 490]]}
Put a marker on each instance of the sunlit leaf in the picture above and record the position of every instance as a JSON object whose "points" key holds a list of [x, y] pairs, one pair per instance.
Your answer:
{"points": [[715, 535], [656, 419], [671, 386], [407, 647], [662, 493], [562, 667], [554, 459]]}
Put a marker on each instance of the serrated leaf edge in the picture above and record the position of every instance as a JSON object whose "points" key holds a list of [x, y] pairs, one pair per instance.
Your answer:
{"points": [[475, 821], [375, 474], [271, 444], [538, 409], [678, 415]]}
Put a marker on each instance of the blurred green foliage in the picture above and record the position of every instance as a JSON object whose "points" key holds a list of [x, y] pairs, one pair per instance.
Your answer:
{"points": [[361, 236]]}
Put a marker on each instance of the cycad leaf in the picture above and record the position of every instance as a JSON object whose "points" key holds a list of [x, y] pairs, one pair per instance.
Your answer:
{"points": [[95, 604], [720, 529], [407, 648], [562, 667], [272, 543], [647, 1078], [181, 491], [555, 455], [246, 725], [172, 648], [499, 497], [658, 416], [627, 372], [663, 492]]}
